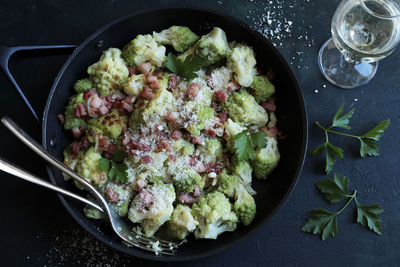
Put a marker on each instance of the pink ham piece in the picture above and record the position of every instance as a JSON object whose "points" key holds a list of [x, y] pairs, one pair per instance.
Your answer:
{"points": [[76, 132], [222, 117], [220, 96], [88, 94], [176, 135], [147, 93], [187, 199], [171, 116], [269, 105], [172, 81], [146, 159], [80, 110], [112, 196], [95, 101], [153, 81], [144, 67], [61, 119], [132, 71], [140, 184], [103, 110], [146, 198], [128, 107], [193, 90]]}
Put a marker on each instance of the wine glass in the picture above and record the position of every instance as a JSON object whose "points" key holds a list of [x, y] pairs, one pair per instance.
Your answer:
{"points": [[363, 32]]}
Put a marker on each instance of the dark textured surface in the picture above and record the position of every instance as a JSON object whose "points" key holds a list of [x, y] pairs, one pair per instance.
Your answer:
{"points": [[36, 229]]}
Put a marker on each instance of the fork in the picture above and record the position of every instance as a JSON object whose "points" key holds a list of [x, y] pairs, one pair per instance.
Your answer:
{"points": [[120, 227]]}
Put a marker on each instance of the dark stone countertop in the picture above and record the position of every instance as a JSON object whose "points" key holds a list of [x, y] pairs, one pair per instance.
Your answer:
{"points": [[36, 229]]}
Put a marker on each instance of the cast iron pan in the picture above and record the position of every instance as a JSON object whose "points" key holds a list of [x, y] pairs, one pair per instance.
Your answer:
{"points": [[291, 113]]}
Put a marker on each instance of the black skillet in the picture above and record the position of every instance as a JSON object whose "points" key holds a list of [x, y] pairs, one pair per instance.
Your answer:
{"points": [[271, 193]]}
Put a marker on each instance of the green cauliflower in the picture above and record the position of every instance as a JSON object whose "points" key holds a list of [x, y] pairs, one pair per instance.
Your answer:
{"points": [[180, 37], [119, 196], [158, 212], [212, 46], [134, 85], [212, 150], [243, 109], [88, 168], [227, 183], [242, 168], [242, 62], [154, 109], [214, 213], [70, 120], [266, 159], [92, 213], [110, 124], [109, 73], [144, 48], [182, 222], [201, 113], [262, 88], [83, 85], [183, 147], [186, 180], [233, 128], [245, 206]]}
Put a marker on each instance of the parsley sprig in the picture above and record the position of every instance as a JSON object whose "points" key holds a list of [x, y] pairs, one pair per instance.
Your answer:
{"points": [[115, 168], [187, 68], [368, 141], [324, 222], [246, 144]]}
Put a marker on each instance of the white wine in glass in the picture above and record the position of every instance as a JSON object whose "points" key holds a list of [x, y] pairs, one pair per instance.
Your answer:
{"points": [[363, 32]]}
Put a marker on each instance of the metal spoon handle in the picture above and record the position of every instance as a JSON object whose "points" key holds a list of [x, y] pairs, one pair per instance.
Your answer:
{"points": [[18, 172], [36, 147]]}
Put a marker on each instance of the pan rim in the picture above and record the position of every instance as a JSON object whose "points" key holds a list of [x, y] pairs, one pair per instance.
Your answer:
{"points": [[136, 252]]}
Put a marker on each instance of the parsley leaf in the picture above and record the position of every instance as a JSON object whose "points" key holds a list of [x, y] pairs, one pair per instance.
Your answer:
{"points": [[324, 222], [243, 146], [368, 216], [258, 139], [187, 68], [118, 155], [335, 189], [321, 222], [246, 144], [343, 121], [118, 173], [369, 140], [104, 164]]}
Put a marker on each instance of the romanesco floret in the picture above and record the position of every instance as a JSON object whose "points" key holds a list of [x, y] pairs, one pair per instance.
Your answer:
{"points": [[266, 159], [151, 110], [187, 181], [214, 213], [134, 85], [242, 62], [243, 109], [110, 124], [109, 73], [182, 222], [92, 213], [144, 48], [83, 85], [245, 206], [202, 114], [183, 147], [242, 168], [179, 37], [212, 150], [88, 168], [233, 128], [227, 183], [158, 212], [212, 46], [262, 88], [70, 120]]}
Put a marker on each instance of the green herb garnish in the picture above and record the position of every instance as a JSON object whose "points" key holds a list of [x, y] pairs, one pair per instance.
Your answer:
{"points": [[187, 68], [115, 170], [369, 140], [246, 144], [324, 222]]}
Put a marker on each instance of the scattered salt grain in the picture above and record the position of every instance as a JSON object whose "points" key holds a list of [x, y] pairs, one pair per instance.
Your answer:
{"points": [[316, 91]]}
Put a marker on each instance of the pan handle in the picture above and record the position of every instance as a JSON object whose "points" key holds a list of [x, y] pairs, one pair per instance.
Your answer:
{"points": [[5, 54]]}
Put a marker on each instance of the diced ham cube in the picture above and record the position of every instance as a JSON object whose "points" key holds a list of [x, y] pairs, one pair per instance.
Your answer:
{"points": [[146, 198], [146, 159], [187, 199], [193, 90], [103, 110], [144, 67], [176, 135], [147, 93], [132, 71], [172, 81], [140, 184], [171, 116], [112, 196], [232, 86], [95, 101], [172, 157], [220, 96], [61, 119], [222, 117], [128, 107], [76, 132], [269, 104]]}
